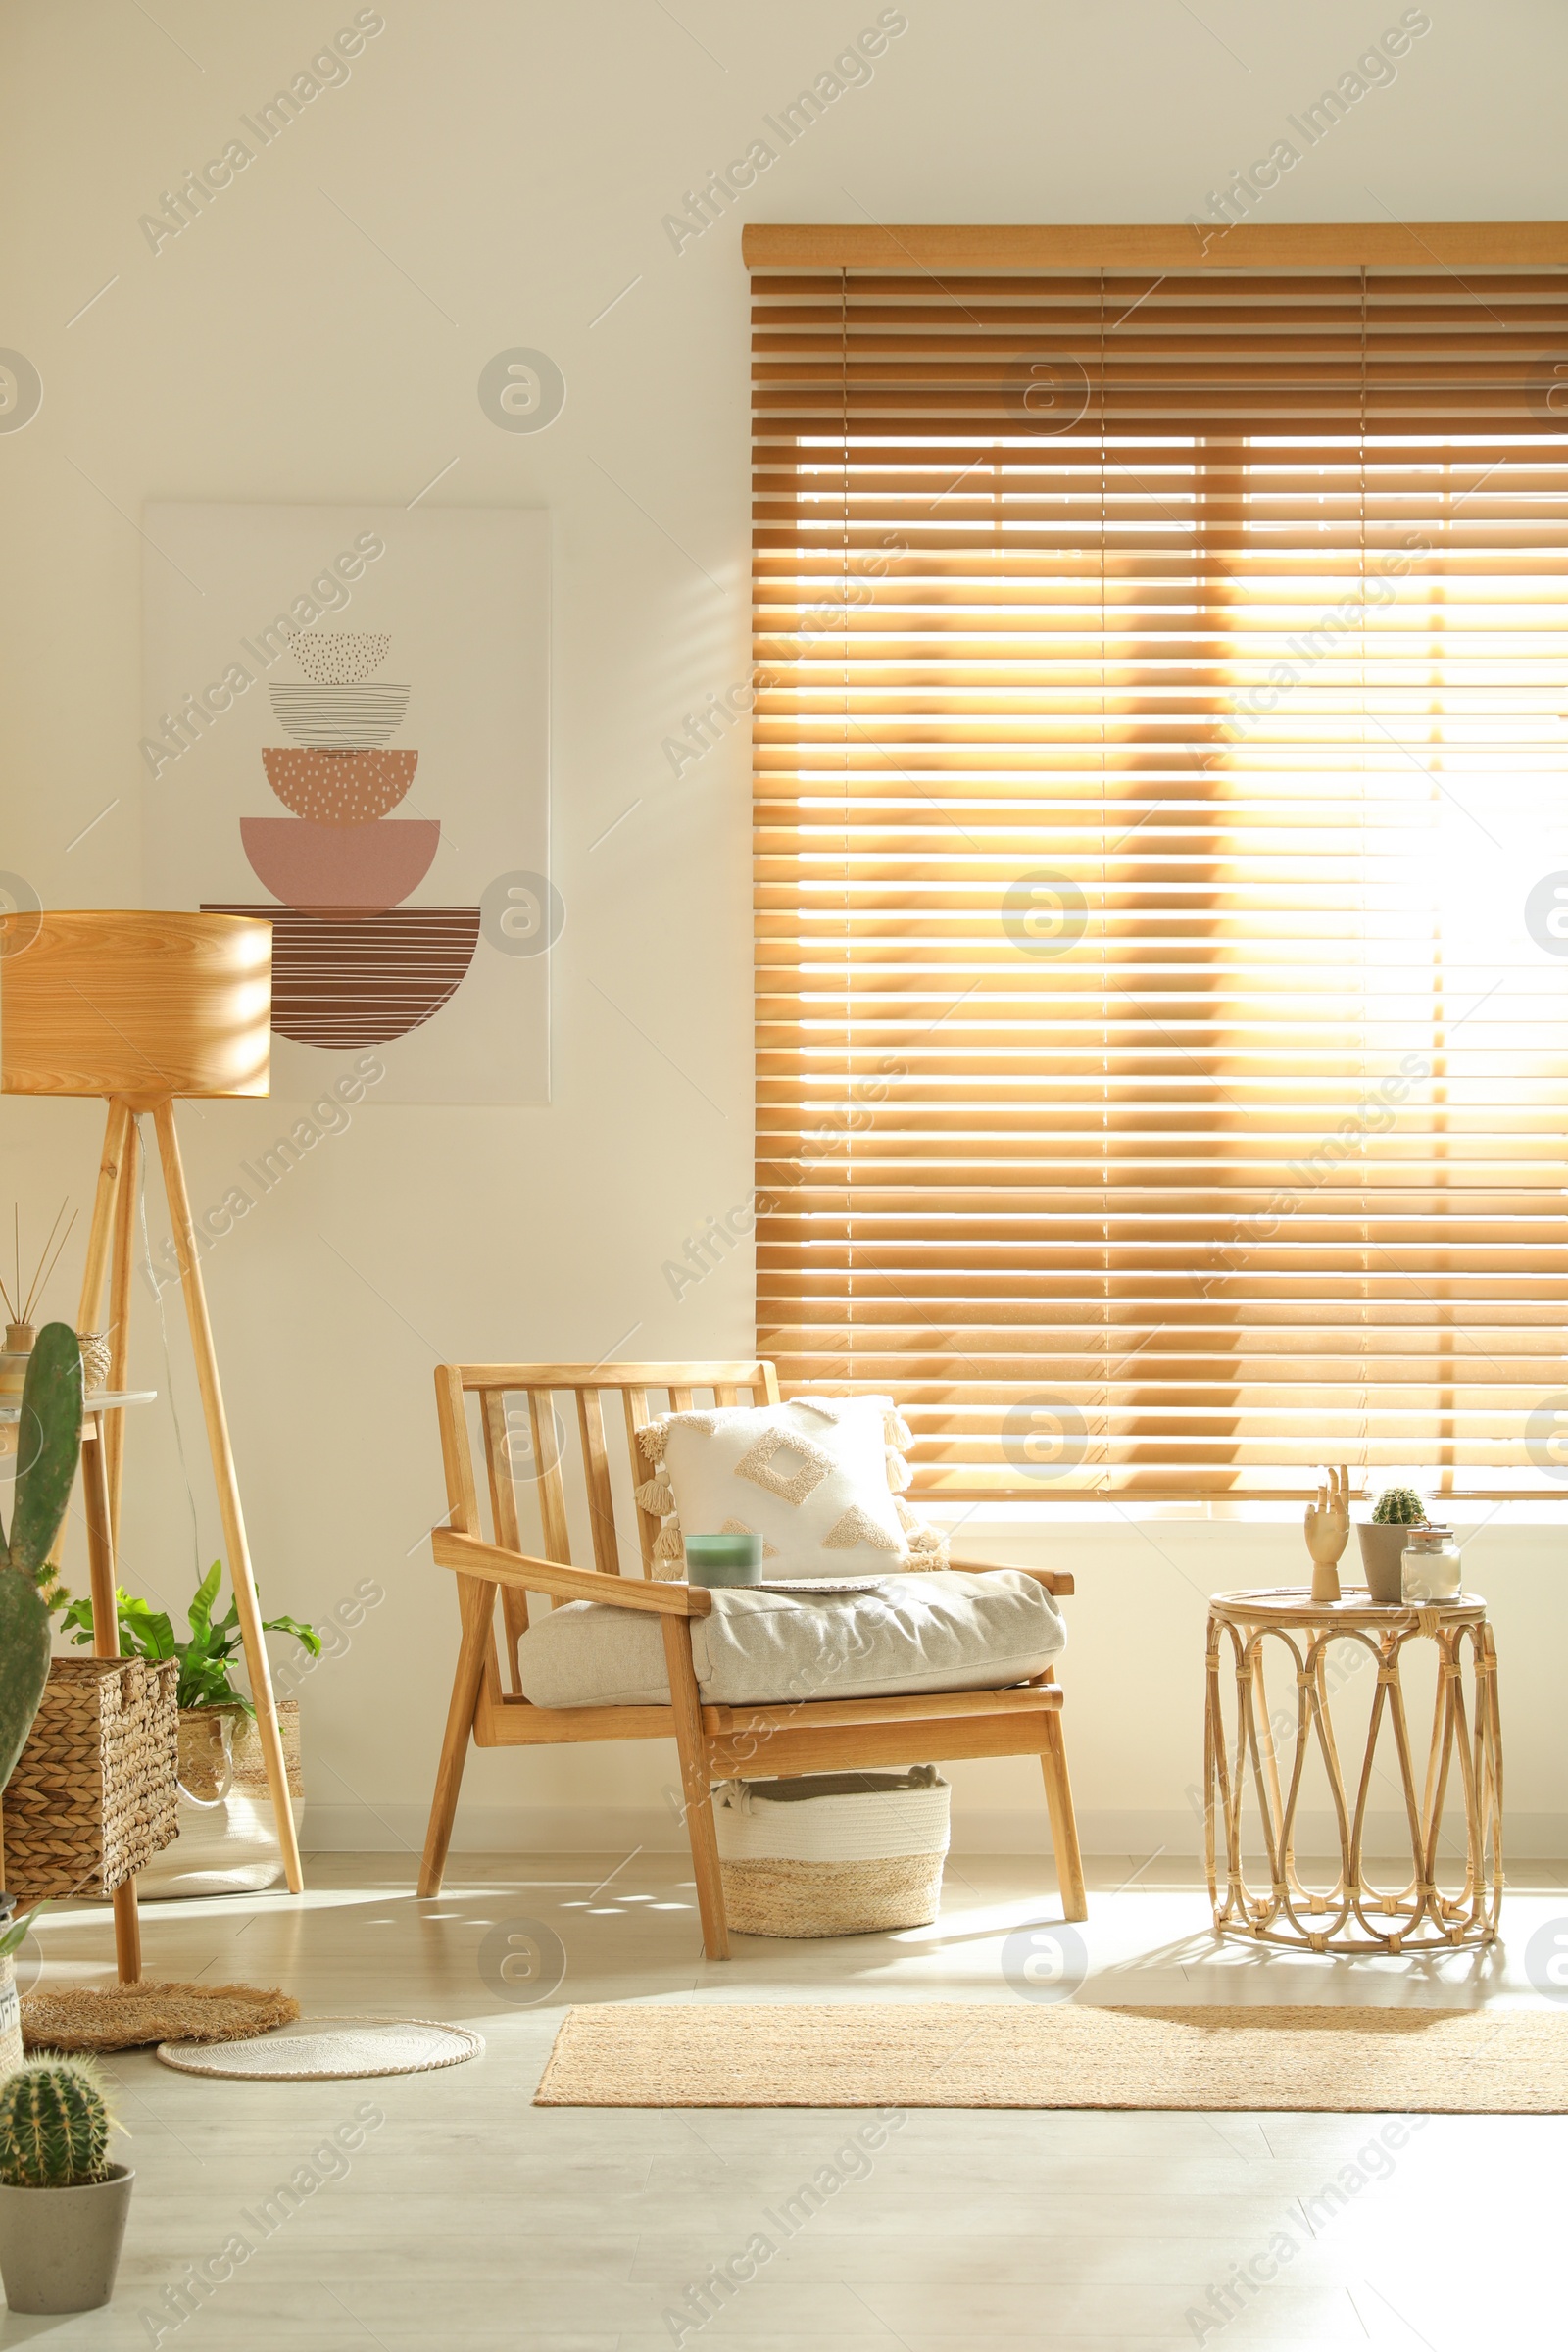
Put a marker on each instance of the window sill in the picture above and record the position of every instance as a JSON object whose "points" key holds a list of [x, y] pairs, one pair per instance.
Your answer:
{"points": [[1528, 1511]]}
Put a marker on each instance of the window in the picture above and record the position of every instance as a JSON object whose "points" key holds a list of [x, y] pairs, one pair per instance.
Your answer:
{"points": [[1162, 848]]}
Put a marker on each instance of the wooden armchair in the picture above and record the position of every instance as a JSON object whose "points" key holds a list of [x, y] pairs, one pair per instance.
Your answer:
{"points": [[718, 1742]]}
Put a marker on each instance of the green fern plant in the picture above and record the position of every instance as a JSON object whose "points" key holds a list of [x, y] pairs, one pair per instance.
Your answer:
{"points": [[207, 1660], [1400, 1506], [54, 2124]]}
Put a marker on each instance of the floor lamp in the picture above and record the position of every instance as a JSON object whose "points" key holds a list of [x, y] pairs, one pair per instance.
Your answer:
{"points": [[146, 1008]]}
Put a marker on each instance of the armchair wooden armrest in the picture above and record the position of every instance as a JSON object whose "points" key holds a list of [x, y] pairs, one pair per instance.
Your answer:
{"points": [[1055, 1579], [498, 1566]]}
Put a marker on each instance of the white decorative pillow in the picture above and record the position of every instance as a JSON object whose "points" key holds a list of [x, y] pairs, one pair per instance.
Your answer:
{"points": [[820, 1479]]}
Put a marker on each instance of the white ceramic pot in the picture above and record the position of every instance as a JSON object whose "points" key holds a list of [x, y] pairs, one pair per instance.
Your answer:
{"points": [[1382, 1554], [10, 2018], [60, 2247]]}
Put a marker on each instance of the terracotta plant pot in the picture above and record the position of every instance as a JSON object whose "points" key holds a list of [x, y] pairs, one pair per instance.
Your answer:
{"points": [[60, 2247], [1382, 1550]]}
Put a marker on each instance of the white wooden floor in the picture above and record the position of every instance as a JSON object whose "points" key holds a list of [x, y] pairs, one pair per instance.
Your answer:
{"points": [[469, 2218]]}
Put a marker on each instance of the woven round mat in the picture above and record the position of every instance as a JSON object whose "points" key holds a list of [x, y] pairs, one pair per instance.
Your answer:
{"points": [[330, 2049]]}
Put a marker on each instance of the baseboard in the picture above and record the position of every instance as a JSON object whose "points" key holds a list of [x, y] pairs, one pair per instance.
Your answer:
{"points": [[496, 1830], [976, 1829]]}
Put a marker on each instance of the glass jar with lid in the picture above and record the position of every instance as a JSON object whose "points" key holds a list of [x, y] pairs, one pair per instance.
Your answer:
{"points": [[1429, 1566]]}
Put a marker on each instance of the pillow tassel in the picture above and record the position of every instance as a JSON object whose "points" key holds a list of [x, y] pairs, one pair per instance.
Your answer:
{"points": [[651, 1438], [656, 1495], [900, 1475], [896, 1430], [928, 1545], [670, 1544]]}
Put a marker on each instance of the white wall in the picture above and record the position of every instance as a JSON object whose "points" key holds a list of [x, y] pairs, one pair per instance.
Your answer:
{"points": [[508, 165]]}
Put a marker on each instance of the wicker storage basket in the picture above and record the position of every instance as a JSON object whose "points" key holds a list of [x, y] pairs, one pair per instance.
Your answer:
{"points": [[846, 1854], [93, 1794]]}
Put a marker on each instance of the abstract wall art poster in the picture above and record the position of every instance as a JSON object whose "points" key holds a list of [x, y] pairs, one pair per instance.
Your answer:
{"points": [[346, 729]]}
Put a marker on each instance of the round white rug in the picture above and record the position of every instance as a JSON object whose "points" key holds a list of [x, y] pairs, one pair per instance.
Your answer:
{"points": [[328, 2050]]}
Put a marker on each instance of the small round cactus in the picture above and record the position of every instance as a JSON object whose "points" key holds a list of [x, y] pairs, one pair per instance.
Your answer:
{"points": [[1400, 1506], [54, 2124]]}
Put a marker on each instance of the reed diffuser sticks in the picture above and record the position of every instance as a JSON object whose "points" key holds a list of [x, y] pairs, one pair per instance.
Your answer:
{"points": [[18, 1308]]}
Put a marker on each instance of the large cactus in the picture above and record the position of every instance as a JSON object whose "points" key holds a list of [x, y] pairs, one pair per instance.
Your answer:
{"points": [[54, 2124], [48, 1442]]}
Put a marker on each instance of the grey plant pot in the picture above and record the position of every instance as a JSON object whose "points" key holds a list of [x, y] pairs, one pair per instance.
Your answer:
{"points": [[60, 2247], [1382, 1550]]}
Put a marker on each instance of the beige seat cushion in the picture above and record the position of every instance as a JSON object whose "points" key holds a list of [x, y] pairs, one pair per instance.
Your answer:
{"points": [[948, 1631]]}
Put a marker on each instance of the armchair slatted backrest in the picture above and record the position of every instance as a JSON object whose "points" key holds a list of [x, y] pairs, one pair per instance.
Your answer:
{"points": [[555, 1461]]}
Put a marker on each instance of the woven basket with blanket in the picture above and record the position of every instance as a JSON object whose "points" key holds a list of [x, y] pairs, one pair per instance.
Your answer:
{"points": [[843, 1853]]}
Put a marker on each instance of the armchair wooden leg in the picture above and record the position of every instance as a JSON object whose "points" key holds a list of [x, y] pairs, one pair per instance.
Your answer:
{"points": [[1063, 1822], [693, 1746], [477, 1602]]}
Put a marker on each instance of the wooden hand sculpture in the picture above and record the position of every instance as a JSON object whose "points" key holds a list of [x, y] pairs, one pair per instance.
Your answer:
{"points": [[1328, 1531]]}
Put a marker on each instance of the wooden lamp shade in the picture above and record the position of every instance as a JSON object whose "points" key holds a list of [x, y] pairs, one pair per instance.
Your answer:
{"points": [[143, 1006]]}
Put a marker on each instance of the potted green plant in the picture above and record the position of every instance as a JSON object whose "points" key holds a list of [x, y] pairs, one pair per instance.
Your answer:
{"points": [[207, 1660], [1383, 1541], [227, 1842], [63, 2205], [48, 1442]]}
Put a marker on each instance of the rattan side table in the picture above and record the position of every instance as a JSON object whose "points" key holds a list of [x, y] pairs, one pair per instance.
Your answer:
{"points": [[1466, 1745]]}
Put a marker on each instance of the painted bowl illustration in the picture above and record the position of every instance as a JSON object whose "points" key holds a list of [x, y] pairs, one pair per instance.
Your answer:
{"points": [[338, 788], [346, 983], [344, 870], [339, 719], [340, 657]]}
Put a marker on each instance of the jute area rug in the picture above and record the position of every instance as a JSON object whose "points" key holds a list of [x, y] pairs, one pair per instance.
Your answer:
{"points": [[952, 2054]]}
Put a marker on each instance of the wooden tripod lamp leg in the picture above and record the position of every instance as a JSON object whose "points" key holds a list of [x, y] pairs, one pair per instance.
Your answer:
{"points": [[115, 1129], [106, 1645], [120, 1274], [101, 1231], [228, 1503]]}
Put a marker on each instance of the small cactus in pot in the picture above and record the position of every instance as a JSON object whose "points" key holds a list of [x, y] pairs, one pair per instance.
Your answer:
{"points": [[1382, 1541], [63, 2205], [1400, 1506], [54, 2124]]}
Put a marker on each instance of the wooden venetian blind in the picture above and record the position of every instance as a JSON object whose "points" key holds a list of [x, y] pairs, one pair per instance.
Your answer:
{"points": [[1159, 742]]}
